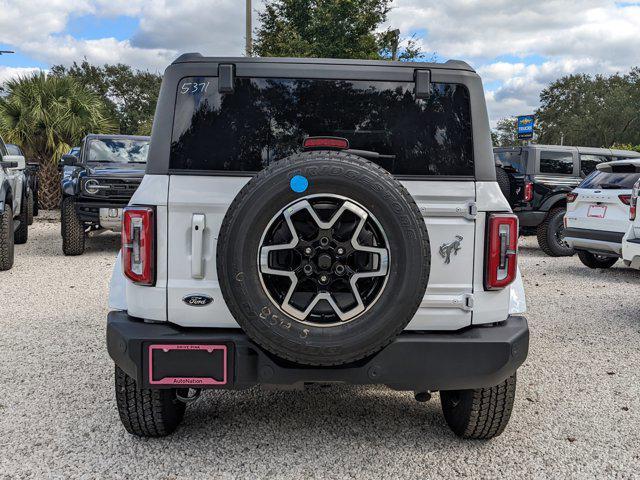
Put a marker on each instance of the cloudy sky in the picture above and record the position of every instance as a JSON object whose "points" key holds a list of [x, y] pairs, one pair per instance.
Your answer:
{"points": [[517, 46]]}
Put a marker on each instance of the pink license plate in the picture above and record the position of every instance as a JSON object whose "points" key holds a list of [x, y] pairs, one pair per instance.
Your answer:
{"points": [[188, 365], [597, 211]]}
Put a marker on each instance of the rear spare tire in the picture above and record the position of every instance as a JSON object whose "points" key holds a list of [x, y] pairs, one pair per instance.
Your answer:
{"points": [[504, 183], [323, 258]]}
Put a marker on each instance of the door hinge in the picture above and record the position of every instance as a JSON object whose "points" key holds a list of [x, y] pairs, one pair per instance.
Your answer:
{"points": [[468, 210], [463, 302]]}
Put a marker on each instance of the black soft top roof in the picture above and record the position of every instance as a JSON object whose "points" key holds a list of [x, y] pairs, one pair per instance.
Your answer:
{"points": [[199, 58]]}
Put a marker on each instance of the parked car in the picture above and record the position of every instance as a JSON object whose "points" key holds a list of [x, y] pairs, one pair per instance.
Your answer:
{"points": [[598, 213], [536, 180], [291, 229], [31, 171], [14, 226], [631, 240], [96, 184]]}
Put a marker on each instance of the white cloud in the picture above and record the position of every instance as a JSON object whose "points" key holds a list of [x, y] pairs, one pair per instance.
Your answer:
{"points": [[7, 73], [66, 50]]}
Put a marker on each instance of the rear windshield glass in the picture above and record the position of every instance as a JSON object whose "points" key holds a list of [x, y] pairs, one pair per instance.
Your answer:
{"points": [[514, 161], [264, 120], [614, 181], [120, 150]]}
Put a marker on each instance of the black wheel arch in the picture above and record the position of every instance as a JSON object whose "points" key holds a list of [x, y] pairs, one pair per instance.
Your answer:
{"points": [[557, 200], [6, 195]]}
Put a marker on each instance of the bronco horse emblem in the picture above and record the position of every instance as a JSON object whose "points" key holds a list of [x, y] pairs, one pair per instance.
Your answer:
{"points": [[447, 248]]}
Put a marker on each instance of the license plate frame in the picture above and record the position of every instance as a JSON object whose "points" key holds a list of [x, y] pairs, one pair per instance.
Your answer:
{"points": [[597, 211], [162, 357]]}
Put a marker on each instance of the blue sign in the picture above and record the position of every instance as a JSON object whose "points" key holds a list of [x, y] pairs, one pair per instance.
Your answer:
{"points": [[525, 127]]}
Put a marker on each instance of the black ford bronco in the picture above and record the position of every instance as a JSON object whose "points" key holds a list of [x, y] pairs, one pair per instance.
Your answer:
{"points": [[536, 179], [318, 221], [96, 184]]}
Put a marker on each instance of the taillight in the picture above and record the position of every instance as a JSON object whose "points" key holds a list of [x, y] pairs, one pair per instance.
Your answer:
{"points": [[502, 251], [326, 142], [571, 197], [626, 199], [528, 191], [138, 244]]}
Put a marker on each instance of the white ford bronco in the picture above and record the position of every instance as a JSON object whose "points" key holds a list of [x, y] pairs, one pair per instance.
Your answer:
{"points": [[318, 221], [14, 221]]}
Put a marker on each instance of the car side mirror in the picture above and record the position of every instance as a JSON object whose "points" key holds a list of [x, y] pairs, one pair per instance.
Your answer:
{"points": [[68, 160], [19, 160]]}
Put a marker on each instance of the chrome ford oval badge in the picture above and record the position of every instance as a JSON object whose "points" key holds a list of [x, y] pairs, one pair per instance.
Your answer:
{"points": [[197, 300]]}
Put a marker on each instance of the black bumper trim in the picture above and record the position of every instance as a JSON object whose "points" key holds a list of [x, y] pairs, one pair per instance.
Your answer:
{"points": [[475, 357], [599, 235], [530, 218]]}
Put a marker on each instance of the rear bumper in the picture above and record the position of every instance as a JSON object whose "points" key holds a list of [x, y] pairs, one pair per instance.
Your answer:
{"points": [[531, 218], [596, 241], [631, 252], [472, 358], [98, 213]]}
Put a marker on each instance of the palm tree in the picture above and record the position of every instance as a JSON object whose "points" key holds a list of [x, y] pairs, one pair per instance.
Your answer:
{"points": [[48, 115]]}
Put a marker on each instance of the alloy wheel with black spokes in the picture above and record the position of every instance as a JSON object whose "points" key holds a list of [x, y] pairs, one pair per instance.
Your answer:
{"points": [[324, 259]]}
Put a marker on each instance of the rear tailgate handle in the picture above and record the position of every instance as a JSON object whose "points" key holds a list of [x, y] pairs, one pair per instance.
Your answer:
{"points": [[197, 237]]}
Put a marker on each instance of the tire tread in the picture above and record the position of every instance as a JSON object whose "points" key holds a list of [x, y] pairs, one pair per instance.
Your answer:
{"points": [[146, 412]]}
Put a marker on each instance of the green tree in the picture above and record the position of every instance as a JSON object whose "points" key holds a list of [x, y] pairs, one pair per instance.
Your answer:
{"points": [[595, 111], [47, 115], [328, 29], [506, 133], [129, 95]]}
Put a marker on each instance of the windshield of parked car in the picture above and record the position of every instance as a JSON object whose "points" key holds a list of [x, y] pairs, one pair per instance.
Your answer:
{"points": [[13, 149], [610, 181], [118, 150]]}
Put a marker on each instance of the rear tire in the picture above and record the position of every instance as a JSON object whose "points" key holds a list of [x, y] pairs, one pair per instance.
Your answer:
{"points": [[36, 208], [592, 260], [30, 208], [147, 412], [73, 237], [550, 232], [22, 232], [6, 239], [482, 413]]}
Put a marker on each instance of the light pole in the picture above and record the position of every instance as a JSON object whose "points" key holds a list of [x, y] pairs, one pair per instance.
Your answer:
{"points": [[248, 33], [395, 42]]}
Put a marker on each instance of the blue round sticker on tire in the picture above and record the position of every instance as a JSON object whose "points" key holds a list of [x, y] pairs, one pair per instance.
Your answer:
{"points": [[299, 183]]}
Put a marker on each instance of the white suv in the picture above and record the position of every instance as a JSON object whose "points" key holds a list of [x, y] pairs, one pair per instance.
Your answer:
{"points": [[13, 205], [318, 221], [631, 241], [598, 212]]}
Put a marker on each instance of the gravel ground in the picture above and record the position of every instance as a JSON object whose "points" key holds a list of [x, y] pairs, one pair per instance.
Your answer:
{"points": [[577, 412]]}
